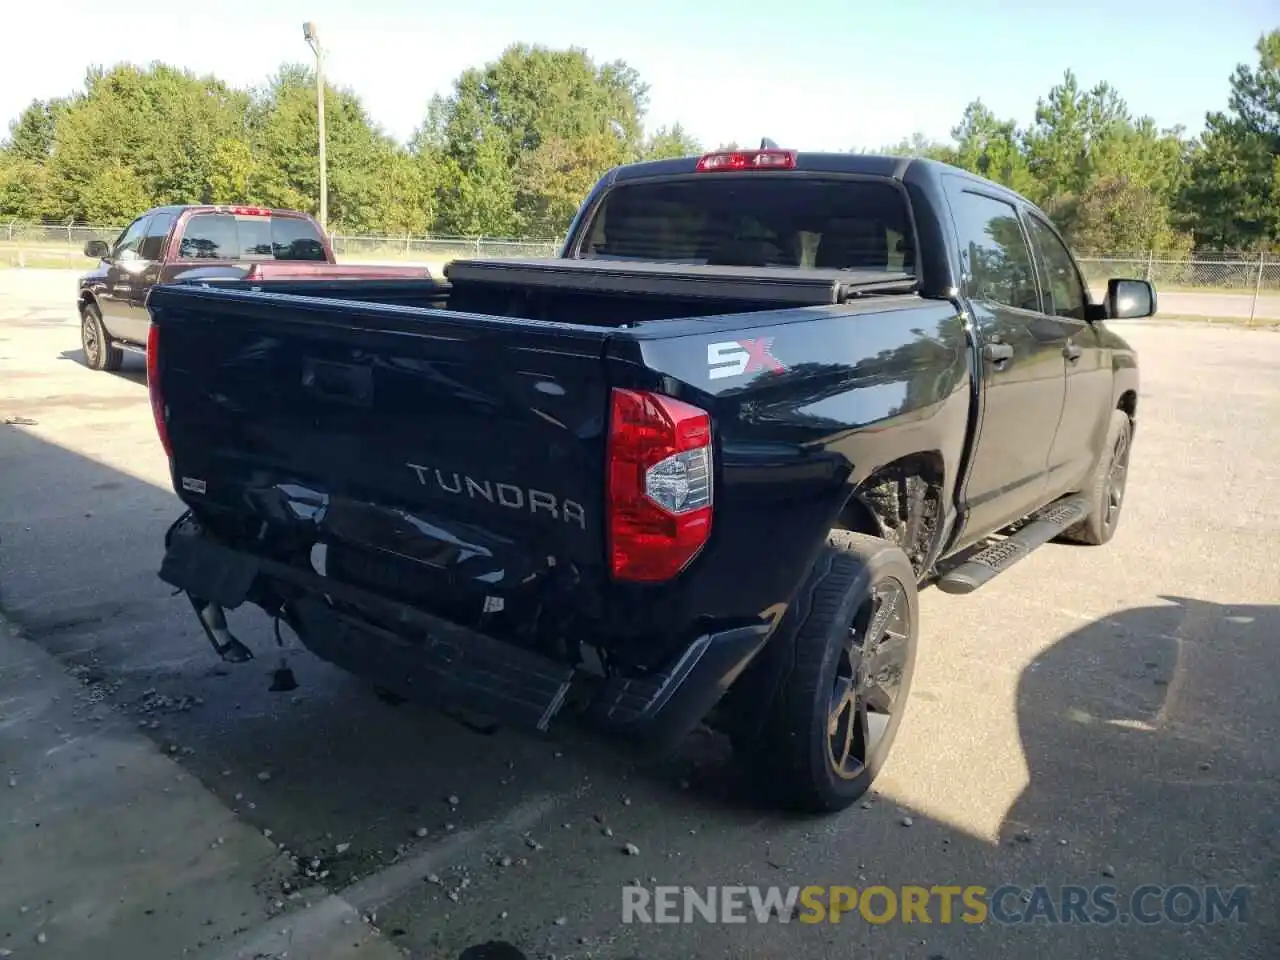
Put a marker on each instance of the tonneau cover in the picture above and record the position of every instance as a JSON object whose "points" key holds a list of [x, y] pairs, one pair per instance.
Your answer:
{"points": [[782, 286]]}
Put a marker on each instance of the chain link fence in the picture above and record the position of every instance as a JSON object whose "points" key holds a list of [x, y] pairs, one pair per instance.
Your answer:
{"points": [[1253, 275], [56, 245], [49, 245], [1203, 270]]}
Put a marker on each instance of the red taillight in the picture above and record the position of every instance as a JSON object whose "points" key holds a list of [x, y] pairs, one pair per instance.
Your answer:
{"points": [[660, 490], [747, 160], [251, 211], [153, 387]]}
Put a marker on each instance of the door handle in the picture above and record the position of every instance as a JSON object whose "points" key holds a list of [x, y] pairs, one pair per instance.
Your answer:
{"points": [[997, 352], [1072, 352]]}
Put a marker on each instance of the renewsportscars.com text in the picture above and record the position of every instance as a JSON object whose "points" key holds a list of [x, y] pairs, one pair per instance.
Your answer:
{"points": [[945, 904]]}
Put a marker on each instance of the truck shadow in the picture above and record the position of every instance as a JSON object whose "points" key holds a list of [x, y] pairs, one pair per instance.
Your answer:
{"points": [[80, 544], [1149, 738], [134, 367]]}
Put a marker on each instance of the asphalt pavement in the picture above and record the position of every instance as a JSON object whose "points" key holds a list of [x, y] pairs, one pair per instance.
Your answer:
{"points": [[1096, 716]]}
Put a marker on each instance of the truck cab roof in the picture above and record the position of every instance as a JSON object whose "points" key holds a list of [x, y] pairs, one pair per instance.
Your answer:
{"points": [[226, 208], [840, 164]]}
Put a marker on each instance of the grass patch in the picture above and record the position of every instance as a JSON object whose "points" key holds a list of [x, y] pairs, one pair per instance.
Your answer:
{"points": [[1258, 323], [45, 262]]}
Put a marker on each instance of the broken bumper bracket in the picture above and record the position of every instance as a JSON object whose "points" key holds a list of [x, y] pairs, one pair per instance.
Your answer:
{"points": [[448, 666], [434, 661]]}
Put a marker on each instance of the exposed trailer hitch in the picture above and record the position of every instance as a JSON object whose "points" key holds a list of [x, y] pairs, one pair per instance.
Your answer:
{"points": [[213, 619], [226, 591]]}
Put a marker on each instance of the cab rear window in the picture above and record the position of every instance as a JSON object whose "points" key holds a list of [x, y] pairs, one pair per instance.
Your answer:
{"points": [[224, 236], [756, 221]]}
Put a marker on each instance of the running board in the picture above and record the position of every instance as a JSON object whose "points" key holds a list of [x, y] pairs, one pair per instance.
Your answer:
{"points": [[988, 564]]}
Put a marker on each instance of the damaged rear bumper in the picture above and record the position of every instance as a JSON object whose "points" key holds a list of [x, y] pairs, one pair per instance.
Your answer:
{"points": [[438, 662]]}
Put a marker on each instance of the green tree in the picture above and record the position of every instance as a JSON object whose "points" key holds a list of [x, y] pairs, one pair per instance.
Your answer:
{"points": [[990, 147], [477, 197], [31, 136], [532, 113], [232, 171], [1232, 196], [667, 143], [112, 193], [553, 180], [402, 196], [23, 187], [1119, 214], [363, 162], [532, 93], [136, 137], [24, 158], [1071, 128], [917, 145]]}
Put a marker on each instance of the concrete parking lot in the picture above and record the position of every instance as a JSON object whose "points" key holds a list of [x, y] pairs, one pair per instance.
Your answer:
{"points": [[1095, 716]]}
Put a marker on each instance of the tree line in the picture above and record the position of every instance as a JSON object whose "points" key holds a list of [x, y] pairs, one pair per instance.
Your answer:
{"points": [[516, 144]]}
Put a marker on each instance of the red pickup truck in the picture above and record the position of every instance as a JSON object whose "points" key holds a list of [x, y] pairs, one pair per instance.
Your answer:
{"points": [[184, 243]]}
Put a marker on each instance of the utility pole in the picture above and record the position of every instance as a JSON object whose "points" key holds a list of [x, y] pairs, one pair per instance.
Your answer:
{"points": [[1257, 287], [312, 36]]}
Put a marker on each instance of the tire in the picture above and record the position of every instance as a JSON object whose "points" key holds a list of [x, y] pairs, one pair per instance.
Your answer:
{"points": [[807, 751], [99, 352], [1107, 488]]}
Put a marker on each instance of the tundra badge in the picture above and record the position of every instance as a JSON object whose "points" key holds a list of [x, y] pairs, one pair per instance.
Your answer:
{"points": [[507, 495]]}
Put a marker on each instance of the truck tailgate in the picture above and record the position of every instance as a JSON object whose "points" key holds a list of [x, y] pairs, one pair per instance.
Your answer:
{"points": [[426, 455]]}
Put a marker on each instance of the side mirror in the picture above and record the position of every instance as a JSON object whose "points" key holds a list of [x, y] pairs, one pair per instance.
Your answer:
{"points": [[1130, 299], [97, 250]]}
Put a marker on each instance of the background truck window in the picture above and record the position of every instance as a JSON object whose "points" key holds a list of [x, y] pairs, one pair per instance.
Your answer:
{"points": [[755, 220], [152, 248], [130, 240], [222, 236]]}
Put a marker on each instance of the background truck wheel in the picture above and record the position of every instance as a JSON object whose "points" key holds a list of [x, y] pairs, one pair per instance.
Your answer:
{"points": [[1106, 494], [848, 666], [99, 352]]}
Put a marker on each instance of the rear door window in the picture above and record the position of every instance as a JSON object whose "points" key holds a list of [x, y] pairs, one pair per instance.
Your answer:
{"points": [[224, 236], [994, 251]]}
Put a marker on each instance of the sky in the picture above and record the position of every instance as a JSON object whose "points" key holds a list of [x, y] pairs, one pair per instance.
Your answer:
{"points": [[810, 74]]}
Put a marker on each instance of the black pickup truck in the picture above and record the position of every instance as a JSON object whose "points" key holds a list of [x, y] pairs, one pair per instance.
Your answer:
{"points": [[696, 468]]}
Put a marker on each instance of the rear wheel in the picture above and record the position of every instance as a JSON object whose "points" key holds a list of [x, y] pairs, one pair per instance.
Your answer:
{"points": [[99, 352], [837, 710], [1106, 493]]}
